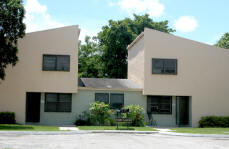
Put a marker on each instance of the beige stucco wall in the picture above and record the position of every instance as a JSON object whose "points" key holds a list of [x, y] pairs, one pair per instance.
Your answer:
{"points": [[82, 100], [136, 62], [27, 75], [202, 73]]}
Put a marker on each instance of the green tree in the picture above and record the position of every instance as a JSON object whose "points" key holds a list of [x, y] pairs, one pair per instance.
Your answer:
{"points": [[89, 65], [224, 41], [11, 28], [117, 35]]}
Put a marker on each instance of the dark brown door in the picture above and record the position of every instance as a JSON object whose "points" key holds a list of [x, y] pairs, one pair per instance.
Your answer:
{"points": [[183, 110], [33, 107]]}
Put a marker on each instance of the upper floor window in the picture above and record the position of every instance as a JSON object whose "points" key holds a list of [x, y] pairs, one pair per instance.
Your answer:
{"points": [[164, 66], [56, 62]]}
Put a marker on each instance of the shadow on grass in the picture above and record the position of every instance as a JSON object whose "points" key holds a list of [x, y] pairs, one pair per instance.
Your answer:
{"points": [[15, 127]]}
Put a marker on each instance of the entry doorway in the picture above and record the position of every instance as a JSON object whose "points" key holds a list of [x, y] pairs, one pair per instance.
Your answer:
{"points": [[182, 110], [33, 107]]}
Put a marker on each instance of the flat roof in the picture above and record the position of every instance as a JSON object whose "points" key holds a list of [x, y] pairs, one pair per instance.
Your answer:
{"points": [[105, 83]]}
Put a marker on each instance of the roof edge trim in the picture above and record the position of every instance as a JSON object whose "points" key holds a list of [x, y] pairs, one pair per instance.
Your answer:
{"points": [[135, 40], [109, 89], [56, 28]]}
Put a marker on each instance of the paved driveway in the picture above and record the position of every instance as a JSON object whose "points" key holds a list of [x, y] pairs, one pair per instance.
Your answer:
{"points": [[110, 141]]}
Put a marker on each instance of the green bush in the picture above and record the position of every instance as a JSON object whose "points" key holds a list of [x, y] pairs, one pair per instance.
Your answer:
{"points": [[214, 121], [83, 119], [100, 114], [7, 118], [136, 114]]}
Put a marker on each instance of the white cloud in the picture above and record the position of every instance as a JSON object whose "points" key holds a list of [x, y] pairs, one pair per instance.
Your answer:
{"points": [[33, 6], [37, 18], [84, 33], [152, 7], [186, 24]]}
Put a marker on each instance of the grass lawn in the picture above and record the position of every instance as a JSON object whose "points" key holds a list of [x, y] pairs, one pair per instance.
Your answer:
{"points": [[224, 131], [114, 128], [15, 127]]}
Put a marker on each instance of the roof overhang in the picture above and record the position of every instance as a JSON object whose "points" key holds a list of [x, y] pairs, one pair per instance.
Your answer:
{"points": [[135, 40], [110, 89]]}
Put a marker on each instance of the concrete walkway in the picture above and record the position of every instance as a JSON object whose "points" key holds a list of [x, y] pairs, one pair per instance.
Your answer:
{"points": [[166, 131], [68, 128]]}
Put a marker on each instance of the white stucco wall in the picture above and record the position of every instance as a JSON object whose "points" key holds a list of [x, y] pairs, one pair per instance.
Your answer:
{"points": [[82, 100]]}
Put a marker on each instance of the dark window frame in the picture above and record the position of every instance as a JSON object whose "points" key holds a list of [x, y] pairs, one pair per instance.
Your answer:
{"points": [[164, 71], [56, 62], [117, 94], [109, 98], [57, 103], [149, 105], [103, 93]]}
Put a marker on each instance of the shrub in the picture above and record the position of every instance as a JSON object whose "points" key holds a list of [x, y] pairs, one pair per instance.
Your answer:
{"points": [[214, 121], [100, 113], [83, 119], [7, 118], [136, 114]]}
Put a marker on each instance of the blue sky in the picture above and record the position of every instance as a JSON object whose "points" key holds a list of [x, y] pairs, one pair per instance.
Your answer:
{"points": [[201, 20]]}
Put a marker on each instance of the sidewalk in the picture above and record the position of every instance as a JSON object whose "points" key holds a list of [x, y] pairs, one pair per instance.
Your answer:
{"points": [[166, 131]]}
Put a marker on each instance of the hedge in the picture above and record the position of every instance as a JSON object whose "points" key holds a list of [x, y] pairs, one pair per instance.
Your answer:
{"points": [[214, 121], [7, 118]]}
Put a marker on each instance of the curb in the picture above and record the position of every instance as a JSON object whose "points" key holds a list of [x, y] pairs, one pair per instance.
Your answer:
{"points": [[42, 132], [124, 132], [72, 132]]}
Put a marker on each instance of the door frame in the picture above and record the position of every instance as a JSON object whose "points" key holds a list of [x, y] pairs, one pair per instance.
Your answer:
{"points": [[27, 106], [188, 111]]}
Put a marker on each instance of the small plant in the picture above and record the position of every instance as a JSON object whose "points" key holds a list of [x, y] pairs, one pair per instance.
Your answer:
{"points": [[7, 118], [214, 121], [136, 114], [83, 119], [100, 113]]}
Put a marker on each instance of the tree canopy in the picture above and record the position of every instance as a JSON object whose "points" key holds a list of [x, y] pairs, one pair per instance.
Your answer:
{"points": [[111, 44], [11, 28], [89, 64], [117, 35], [224, 41]]}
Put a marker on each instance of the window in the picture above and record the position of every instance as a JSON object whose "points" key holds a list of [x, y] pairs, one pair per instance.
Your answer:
{"points": [[116, 101], [159, 104], [55, 102], [56, 62], [164, 66], [102, 97]]}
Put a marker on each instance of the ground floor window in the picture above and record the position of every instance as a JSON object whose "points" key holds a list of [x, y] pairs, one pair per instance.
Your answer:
{"points": [[102, 97], [116, 100], [159, 104], [58, 102]]}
